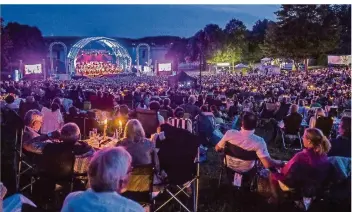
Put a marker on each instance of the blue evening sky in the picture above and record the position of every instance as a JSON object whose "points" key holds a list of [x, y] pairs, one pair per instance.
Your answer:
{"points": [[132, 21]]}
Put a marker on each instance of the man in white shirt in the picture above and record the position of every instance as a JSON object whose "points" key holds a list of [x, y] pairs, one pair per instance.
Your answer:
{"points": [[246, 140]]}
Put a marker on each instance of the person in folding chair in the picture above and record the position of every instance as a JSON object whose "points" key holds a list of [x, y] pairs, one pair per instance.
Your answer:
{"points": [[180, 122], [247, 147], [292, 124], [108, 173], [307, 169]]}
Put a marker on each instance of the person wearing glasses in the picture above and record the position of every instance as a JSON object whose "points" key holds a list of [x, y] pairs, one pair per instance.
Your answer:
{"points": [[32, 140]]}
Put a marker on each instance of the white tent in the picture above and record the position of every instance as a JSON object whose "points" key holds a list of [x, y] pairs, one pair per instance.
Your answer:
{"points": [[241, 66], [264, 70]]}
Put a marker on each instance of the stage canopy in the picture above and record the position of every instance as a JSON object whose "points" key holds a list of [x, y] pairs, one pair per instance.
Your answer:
{"points": [[182, 78], [119, 51]]}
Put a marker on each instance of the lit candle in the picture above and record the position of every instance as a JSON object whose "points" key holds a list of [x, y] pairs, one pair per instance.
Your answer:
{"points": [[105, 127], [120, 126]]}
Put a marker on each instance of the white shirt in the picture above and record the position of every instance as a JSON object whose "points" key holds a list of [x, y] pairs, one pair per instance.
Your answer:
{"points": [[246, 140], [90, 201], [51, 120]]}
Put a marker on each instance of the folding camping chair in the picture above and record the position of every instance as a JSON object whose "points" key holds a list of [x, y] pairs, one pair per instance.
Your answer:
{"points": [[25, 163], [140, 185], [285, 137], [239, 178], [180, 164]]}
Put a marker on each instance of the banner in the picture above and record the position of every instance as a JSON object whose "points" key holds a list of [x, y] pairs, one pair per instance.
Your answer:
{"points": [[339, 60]]}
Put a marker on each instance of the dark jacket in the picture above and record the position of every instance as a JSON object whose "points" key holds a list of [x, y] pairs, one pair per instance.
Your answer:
{"points": [[191, 109], [292, 123], [282, 112], [340, 146]]}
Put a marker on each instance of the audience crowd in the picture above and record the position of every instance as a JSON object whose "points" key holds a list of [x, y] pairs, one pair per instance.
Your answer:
{"points": [[227, 109]]}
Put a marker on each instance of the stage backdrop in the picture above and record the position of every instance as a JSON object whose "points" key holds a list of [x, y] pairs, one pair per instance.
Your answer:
{"points": [[339, 59]]}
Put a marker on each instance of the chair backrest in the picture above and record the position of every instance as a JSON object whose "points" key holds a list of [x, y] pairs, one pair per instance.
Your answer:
{"points": [[141, 178], [325, 124], [57, 162], [149, 120], [239, 153], [180, 123], [177, 153]]}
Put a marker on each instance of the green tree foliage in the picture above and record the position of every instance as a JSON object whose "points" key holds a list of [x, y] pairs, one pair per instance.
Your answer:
{"points": [[6, 46], [28, 42], [302, 31], [343, 13]]}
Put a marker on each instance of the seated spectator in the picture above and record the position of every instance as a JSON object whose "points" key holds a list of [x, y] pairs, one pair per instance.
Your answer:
{"points": [[29, 104], [268, 110], [319, 112], [302, 108], [314, 156], [247, 140], [217, 115], [10, 102], [108, 174], [283, 109], [166, 106], [341, 146], [180, 122], [58, 101], [292, 122], [141, 149], [70, 135], [11, 122], [314, 103], [154, 105], [32, 140], [190, 108], [52, 119]]}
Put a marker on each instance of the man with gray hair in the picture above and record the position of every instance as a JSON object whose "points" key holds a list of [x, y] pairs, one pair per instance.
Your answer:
{"points": [[32, 140], [70, 135], [191, 108], [108, 173]]}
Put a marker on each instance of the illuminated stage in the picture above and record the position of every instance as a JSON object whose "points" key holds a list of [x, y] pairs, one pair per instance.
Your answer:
{"points": [[108, 57]]}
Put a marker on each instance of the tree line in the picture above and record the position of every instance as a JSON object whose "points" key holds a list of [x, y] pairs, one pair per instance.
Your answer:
{"points": [[300, 32]]}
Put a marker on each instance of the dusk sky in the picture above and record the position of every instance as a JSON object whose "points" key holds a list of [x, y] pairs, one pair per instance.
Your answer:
{"points": [[132, 21]]}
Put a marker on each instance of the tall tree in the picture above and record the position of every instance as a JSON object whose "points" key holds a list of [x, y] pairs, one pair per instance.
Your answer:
{"points": [[177, 52], [255, 40], [343, 13], [236, 39], [302, 31], [6, 46], [28, 43]]}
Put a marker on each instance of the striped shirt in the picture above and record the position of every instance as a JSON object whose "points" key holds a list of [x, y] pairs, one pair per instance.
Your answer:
{"points": [[181, 123]]}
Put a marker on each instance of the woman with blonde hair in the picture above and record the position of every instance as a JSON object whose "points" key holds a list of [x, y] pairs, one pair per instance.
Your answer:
{"points": [[141, 149], [314, 160]]}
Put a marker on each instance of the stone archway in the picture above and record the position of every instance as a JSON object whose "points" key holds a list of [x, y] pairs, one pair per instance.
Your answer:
{"points": [[137, 54], [51, 55]]}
